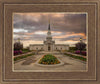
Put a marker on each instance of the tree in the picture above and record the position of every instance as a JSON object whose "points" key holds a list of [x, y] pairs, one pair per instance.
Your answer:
{"points": [[80, 46], [18, 46]]}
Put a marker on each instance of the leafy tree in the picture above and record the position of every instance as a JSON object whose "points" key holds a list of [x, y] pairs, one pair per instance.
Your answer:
{"points": [[80, 46], [18, 46]]}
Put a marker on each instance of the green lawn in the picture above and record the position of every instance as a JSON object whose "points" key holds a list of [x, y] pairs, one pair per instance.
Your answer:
{"points": [[25, 50], [21, 57], [72, 51], [76, 57]]}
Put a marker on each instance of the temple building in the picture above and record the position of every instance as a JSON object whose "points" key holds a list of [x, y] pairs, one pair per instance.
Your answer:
{"points": [[49, 44]]}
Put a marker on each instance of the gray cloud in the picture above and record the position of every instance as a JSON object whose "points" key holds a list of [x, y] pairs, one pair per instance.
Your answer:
{"points": [[64, 23], [74, 38]]}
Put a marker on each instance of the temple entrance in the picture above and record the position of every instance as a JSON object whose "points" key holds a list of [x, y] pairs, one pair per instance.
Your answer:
{"points": [[48, 48]]}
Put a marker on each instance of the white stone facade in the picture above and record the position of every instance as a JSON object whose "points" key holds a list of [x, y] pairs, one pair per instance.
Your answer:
{"points": [[49, 44]]}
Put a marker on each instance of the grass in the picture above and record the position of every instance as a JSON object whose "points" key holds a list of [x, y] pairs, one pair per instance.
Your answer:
{"points": [[72, 51], [76, 57], [49, 59], [21, 57], [25, 50]]}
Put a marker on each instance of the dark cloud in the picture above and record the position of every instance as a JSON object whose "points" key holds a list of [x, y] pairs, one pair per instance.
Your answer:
{"points": [[71, 23], [74, 38], [63, 23]]}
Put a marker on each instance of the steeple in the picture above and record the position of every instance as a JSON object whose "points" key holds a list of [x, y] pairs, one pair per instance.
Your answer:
{"points": [[49, 37], [49, 25]]}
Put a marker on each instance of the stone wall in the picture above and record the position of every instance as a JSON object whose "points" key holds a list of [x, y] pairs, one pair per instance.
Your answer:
{"points": [[52, 47], [36, 47]]}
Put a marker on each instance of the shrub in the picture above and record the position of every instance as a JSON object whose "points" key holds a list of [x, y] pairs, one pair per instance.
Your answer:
{"points": [[77, 52], [82, 53], [17, 52]]}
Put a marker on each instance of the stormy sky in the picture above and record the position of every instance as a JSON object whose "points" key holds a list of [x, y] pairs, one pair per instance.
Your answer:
{"points": [[66, 28]]}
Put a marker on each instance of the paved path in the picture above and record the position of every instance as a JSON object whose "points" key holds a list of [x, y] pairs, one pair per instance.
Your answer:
{"points": [[70, 64]]}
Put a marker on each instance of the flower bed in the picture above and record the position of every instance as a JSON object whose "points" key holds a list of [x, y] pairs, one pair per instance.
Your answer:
{"points": [[49, 59], [82, 53], [17, 52]]}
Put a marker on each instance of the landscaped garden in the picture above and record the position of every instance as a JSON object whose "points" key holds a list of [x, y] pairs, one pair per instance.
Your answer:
{"points": [[21, 57], [71, 50], [18, 49], [76, 57], [49, 59], [80, 48], [25, 50]]}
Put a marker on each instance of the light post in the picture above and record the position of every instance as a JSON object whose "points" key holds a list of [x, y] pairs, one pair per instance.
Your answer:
{"points": [[80, 39]]}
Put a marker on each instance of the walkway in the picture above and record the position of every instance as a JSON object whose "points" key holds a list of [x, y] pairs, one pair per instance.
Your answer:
{"points": [[70, 64]]}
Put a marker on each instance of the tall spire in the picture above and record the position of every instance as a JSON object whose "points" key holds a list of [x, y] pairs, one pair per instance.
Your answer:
{"points": [[49, 25], [49, 32]]}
